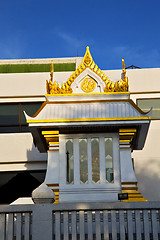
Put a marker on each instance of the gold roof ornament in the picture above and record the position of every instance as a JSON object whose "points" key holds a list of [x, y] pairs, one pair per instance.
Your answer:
{"points": [[122, 85], [110, 86], [51, 74], [87, 57]]}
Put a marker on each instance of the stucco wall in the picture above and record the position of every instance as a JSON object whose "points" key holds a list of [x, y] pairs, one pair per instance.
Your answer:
{"points": [[147, 164], [19, 153]]}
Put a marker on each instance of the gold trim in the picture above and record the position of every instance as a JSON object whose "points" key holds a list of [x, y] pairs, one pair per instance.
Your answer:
{"points": [[53, 150], [88, 119], [124, 133], [134, 196], [50, 132], [127, 130], [55, 190], [74, 94], [52, 137], [55, 143], [130, 188], [119, 86], [129, 183], [125, 148], [130, 191], [52, 184], [40, 109], [127, 141]]}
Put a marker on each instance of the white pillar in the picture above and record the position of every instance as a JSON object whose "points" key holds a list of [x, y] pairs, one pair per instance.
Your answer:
{"points": [[127, 171], [52, 174], [125, 140]]}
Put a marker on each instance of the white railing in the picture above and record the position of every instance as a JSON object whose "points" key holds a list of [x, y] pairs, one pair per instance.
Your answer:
{"points": [[108, 221]]}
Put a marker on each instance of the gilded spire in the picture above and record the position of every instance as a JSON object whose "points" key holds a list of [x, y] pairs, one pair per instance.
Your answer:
{"points": [[122, 85], [87, 57], [123, 69], [51, 74], [49, 84]]}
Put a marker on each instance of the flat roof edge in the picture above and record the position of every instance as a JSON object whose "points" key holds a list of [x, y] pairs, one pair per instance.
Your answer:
{"points": [[39, 60]]}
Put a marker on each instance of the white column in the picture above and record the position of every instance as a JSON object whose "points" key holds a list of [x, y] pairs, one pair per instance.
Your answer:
{"points": [[52, 175], [126, 137], [127, 171], [102, 160], [53, 165]]}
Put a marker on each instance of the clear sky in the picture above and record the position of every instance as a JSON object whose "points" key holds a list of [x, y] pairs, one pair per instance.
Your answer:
{"points": [[111, 28]]}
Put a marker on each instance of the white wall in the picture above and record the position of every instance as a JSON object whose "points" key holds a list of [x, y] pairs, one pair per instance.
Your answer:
{"points": [[17, 152], [147, 164]]}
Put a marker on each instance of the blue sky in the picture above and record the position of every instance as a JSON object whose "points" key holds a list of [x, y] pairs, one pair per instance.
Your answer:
{"points": [[112, 29]]}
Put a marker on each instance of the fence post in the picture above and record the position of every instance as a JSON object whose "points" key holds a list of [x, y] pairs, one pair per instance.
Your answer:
{"points": [[42, 222]]}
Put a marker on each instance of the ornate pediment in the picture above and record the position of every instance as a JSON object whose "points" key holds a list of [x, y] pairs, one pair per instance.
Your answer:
{"points": [[88, 83]]}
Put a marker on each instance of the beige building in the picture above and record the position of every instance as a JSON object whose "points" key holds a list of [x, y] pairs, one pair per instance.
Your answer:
{"points": [[23, 88]]}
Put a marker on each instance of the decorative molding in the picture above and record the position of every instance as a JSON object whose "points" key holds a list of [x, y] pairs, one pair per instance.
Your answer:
{"points": [[52, 139], [110, 86], [88, 119], [125, 137], [133, 194], [88, 84], [55, 189]]}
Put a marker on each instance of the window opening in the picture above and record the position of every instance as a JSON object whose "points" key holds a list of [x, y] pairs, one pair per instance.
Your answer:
{"points": [[109, 159], [87, 156], [69, 162], [12, 117], [83, 158], [146, 104], [95, 160]]}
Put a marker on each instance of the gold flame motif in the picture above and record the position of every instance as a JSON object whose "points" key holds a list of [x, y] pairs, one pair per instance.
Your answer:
{"points": [[119, 86]]}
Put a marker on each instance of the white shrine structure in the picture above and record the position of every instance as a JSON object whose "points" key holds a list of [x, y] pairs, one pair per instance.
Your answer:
{"points": [[89, 126]]}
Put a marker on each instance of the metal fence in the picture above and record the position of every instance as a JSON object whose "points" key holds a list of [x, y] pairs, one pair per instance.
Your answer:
{"points": [[81, 221]]}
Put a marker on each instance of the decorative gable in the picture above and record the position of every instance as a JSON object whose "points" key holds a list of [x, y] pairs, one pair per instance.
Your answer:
{"points": [[87, 78]]}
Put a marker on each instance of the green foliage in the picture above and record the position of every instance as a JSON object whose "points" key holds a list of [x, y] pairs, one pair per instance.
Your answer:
{"points": [[28, 68]]}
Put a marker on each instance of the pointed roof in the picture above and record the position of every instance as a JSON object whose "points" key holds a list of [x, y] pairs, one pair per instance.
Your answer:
{"points": [[119, 86]]}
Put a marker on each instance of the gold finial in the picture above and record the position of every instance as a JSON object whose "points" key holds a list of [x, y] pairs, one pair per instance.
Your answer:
{"points": [[123, 69], [87, 57], [51, 74]]}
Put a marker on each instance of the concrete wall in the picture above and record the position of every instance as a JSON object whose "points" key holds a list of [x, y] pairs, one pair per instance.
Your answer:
{"points": [[147, 164], [27, 84], [18, 153]]}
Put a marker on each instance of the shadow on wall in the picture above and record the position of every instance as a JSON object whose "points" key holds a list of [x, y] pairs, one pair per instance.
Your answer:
{"points": [[21, 183], [148, 176], [34, 155]]}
